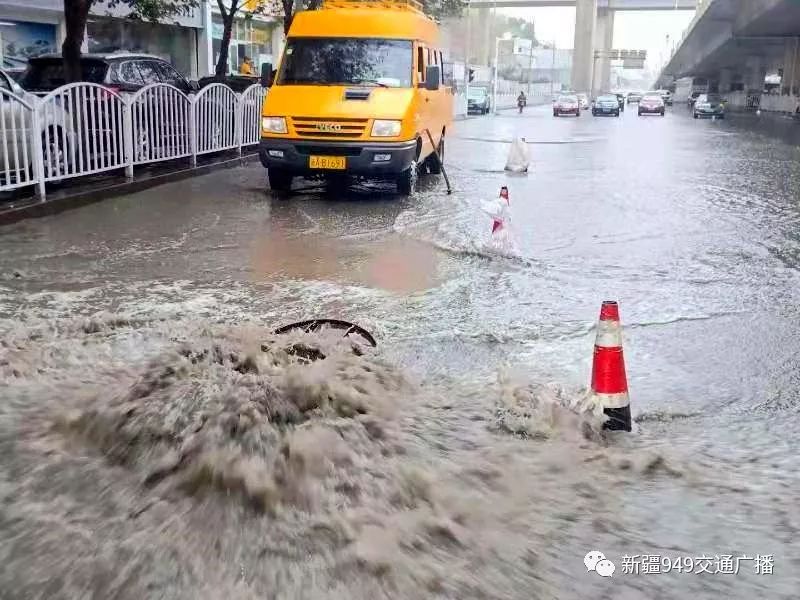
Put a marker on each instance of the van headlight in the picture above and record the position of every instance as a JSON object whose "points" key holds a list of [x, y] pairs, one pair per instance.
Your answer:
{"points": [[384, 128], [273, 124]]}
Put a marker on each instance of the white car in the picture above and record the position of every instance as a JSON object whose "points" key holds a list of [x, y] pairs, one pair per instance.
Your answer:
{"points": [[16, 123]]}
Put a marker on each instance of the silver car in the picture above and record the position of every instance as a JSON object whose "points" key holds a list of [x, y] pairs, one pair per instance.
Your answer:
{"points": [[16, 127]]}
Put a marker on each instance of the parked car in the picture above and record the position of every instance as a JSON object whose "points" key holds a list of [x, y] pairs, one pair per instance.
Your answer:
{"points": [[709, 105], [634, 98], [666, 96], [583, 100], [566, 105], [479, 101], [651, 103], [118, 71], [605, 105], [238, 83], [122, 74], [16, 155]]}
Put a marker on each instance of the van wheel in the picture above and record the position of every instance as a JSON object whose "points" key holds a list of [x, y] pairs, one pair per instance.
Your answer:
{"points": [[279, 180], [407, 180], [433, 164]]}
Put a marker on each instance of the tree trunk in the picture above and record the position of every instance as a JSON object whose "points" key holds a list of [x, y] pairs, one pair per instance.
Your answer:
{"points": [[227, 28], [288, 15], [75, 14]]}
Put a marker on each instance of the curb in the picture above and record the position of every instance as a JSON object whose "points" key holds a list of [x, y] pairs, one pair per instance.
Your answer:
{"points": [[56, 203]]}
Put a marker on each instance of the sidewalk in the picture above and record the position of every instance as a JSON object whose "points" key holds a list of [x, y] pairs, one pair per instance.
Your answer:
{"points": [[87, 190]]}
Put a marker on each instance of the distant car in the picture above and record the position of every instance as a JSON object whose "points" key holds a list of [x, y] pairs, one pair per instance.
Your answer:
{"points": [[621, 101], [583, 101], [692, 98], [652, 104], [478, 101], [606, 105], [709, 105], [634, 97], [566, 105], [666, 96]]}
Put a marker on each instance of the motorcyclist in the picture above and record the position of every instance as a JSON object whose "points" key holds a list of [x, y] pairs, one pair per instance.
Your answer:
{"points": [[521, 101]]}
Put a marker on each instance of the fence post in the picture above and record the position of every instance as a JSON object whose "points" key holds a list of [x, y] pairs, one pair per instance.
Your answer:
{"points": [[239, 113], [36, 151], [127, 137], [193, 130]]}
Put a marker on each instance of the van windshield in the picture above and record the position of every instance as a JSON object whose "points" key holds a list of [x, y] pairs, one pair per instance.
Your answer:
{"points": [[348, 61]]}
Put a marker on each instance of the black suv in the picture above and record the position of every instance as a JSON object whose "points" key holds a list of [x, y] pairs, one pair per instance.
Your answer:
{"points": [[121, 72]]}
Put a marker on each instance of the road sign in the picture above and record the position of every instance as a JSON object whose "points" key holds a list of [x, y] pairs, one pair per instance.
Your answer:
{"points": [[621, 54], [633, 63]]}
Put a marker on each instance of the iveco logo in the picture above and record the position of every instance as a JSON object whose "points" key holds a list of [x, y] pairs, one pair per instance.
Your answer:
{"points": [[333, 127]]}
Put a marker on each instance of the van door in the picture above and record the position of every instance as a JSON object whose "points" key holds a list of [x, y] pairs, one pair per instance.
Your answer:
{"points": [[427, 101], [444, 100]]}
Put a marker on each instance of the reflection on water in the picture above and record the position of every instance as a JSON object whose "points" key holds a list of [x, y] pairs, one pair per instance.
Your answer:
{"points": [[395, 263]]}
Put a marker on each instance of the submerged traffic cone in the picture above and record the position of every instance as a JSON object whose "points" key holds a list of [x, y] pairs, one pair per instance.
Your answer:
{"points": [[499, 218], [609, 383]]}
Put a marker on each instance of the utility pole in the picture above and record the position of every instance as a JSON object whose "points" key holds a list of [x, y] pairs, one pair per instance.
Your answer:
{"points": [[466, 57], [553, 68]]}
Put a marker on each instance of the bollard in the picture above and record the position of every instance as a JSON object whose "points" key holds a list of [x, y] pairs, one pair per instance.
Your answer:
{"points": [[609, 383]]}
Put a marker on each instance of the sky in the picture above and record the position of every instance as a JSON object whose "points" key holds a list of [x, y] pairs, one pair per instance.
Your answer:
{"points": [[642, 30]]}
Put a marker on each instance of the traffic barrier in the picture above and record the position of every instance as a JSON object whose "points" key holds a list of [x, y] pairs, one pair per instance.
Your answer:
{"points": [[82, 129], [609, 382]]}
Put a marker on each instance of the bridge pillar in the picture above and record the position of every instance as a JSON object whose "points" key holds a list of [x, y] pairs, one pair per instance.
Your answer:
{"points": [[583, 53], [604, 40], [791, 66], [486, 51], [756, 73], [724, 81]]}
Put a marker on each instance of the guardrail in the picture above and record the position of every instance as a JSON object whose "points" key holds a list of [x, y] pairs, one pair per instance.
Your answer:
{"points": [[82, 129]]}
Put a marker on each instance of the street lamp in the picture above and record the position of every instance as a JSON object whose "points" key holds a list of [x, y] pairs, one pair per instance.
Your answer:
{"points": [[506, 36]]}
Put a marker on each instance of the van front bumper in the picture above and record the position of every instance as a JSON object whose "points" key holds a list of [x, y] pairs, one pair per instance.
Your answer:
{"points": [[362, 158]]}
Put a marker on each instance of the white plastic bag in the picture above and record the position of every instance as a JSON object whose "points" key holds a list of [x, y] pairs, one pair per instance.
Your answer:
{"points": [[519, 157]]}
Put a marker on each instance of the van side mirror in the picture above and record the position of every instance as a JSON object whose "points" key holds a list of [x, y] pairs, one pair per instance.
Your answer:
{"points": [[267, 75], [433, 78]]}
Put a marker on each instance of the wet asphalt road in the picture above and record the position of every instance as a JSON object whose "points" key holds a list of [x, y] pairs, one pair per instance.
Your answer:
{"points": [[692, 226]]}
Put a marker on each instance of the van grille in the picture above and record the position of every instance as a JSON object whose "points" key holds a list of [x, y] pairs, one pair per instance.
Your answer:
{"points": [[339, 129]]}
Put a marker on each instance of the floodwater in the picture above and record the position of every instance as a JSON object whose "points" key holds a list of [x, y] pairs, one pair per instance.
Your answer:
{"points": [[157, 441]]}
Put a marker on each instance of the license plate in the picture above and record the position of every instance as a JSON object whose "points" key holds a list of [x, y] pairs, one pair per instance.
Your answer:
{"points": [[336, 163]]}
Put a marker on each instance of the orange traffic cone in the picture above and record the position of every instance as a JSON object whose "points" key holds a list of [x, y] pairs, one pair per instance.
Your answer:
{"points": [[609, 383]]}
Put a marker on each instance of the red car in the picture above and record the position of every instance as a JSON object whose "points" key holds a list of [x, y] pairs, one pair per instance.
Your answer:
{"points": [[651, 104], [566, 105]]}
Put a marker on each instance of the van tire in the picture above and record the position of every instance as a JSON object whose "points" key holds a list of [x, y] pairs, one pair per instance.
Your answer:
{"points": [[279, 180], [433, 164], [407, 180]]}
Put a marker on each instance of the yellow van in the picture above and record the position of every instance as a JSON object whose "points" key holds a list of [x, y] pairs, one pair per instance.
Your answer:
{"points": [[358, 88]]}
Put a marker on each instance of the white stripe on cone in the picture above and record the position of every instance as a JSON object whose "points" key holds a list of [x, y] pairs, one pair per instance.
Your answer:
{"points": [[609, 334], [613, 400]]}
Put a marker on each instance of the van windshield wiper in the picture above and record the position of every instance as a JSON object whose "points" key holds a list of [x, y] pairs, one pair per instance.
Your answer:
{"points": [[370, 81]]}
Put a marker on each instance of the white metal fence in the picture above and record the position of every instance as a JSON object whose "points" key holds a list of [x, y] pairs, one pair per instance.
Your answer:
{"points": [[16, 119], [82, 129]]}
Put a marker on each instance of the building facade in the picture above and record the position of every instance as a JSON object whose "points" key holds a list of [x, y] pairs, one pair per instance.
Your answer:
{"points": [[190, 42]]}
